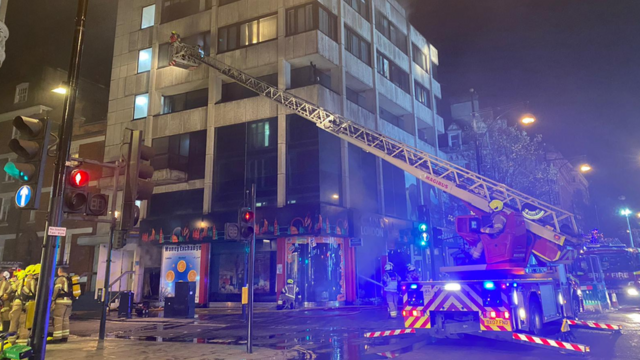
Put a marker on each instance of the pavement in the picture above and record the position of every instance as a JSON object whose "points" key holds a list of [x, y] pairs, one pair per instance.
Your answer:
{"points": [[322, 334]]}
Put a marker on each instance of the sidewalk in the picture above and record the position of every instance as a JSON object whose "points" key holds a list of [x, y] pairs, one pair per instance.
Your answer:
{"points": [[85, 348]]}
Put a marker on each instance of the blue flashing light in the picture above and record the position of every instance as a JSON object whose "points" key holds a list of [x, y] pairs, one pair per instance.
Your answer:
{"points": [[414, 286], [515, 284], [489, 285]]}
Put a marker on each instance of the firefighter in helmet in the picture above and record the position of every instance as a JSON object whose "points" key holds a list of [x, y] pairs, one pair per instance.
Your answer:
{"points": [[390, 282], [5, 300], [495, 228], [290, 296], [61, 306], [412, 273], [25, 291]]}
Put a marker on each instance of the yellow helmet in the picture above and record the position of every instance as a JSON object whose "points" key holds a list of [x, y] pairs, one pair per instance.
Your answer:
{"points": [[496, 205], [29, 269], [21, 275], [36, 269]]}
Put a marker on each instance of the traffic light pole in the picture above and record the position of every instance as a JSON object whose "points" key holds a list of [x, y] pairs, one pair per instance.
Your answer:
{"points": [[50, 243], [107, 274], [252, 259]]}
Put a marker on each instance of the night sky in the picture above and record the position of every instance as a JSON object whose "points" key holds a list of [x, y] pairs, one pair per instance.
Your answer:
{"points": [[575, 61]]}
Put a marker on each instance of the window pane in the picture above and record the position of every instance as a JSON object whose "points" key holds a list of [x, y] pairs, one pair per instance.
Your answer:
{"points": [[148, 16], [308, 10], [302, 27], [222, 40], [269, 28], [291, 22], [141, 106], [233, 38], [144, 60]]}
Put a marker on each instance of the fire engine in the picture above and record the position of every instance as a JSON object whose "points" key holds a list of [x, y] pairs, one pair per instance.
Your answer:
{"points": [[523, 282], [621, 268]]}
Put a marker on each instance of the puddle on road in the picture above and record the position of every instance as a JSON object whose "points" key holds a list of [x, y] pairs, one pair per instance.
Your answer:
{"points": [[322, 344]]}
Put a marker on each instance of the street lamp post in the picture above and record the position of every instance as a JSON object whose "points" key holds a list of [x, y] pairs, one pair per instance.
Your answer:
{"points": [[626, 213]]}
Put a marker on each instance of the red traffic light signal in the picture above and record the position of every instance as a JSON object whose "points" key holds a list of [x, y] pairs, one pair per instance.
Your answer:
{"points": [[247, 216], [79, 178]]}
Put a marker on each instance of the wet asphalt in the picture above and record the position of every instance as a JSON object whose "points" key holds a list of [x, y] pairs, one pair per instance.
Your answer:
{"points": [[337, 334]]}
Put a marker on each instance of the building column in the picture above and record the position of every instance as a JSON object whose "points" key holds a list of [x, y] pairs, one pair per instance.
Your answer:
{"points": [[284, 82]]}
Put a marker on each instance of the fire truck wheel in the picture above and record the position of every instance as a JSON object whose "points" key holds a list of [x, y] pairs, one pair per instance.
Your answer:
{"points": [[535, 317]]}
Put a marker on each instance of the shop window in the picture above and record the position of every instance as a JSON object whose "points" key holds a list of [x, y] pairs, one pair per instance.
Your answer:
{"points": [[185, 101], [144, 60], [141, 106], [148, 16], [245, 34], [357, 46]]}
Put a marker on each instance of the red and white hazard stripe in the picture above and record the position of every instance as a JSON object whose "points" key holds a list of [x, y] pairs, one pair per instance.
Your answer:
{"points": [[389, 354], [552, 343], [389, 333], [595, 325]]}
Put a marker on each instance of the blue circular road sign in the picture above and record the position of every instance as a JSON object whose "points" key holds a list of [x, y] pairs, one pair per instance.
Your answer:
{"points": [[23, 196]]}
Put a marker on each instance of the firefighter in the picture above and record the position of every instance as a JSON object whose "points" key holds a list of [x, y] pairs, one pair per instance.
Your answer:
{"points": [[24, 292], [412, 273], [61, 306], [5, 300], [498, 219], [390, 282], [174, 37], [289, 297]]}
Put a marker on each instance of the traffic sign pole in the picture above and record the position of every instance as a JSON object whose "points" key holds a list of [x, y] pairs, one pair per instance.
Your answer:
{"points": [[40, 326]]}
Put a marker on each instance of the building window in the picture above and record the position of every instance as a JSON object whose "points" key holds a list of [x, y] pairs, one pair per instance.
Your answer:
{"points": [[240, 35], [356, 98], [312, 17], [391, 32], [420, 58], [455, 140], [22, 92], [439, 108], [391, 118], [141, 106], [233, 91], [185, 101], [392, 72], [434, 70], [148, 16], [182, 152], [202, 39], [328, 23], [177, 9], [144, 60], [259, 134], [357, 46], [5, 204], [423, 95], [309, 75], [360, 6]]}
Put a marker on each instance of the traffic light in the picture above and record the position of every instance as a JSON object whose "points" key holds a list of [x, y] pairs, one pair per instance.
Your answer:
{"points": [[246, 223], [421, 234], [76, 191], [97, 204], [138, 183], [28, 168], [119, 239]]}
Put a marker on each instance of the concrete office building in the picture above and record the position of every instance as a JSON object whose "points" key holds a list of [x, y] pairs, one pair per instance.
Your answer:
{"points": [[214, 138]]}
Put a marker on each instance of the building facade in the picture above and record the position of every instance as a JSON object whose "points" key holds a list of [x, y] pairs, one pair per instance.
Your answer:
{"points": [[4, 31], [21, 231], [328, 213]]}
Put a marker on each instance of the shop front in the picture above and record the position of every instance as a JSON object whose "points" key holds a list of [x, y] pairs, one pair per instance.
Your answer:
{"points": [[308, 245]]}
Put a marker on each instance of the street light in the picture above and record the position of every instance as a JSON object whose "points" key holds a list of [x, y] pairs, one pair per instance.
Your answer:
{"points": [[61, 89], [626, 212], [585, 168], [527, 119]]}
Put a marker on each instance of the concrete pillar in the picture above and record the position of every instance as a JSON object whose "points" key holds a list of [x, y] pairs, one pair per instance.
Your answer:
{"points": [[215, 93], [284, 82]]}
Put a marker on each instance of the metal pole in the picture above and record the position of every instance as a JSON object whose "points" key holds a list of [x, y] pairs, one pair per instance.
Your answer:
{"points": [[107, 274], [630, 233], [40, 327], [252, 259]]}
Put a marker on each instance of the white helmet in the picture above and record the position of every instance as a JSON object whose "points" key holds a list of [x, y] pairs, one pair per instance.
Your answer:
{"points": [[388, 266], [6, 275], [411, 267]]}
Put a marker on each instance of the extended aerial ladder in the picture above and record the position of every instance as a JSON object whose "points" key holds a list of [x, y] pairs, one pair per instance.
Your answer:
{"points": [[476, 190]]}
